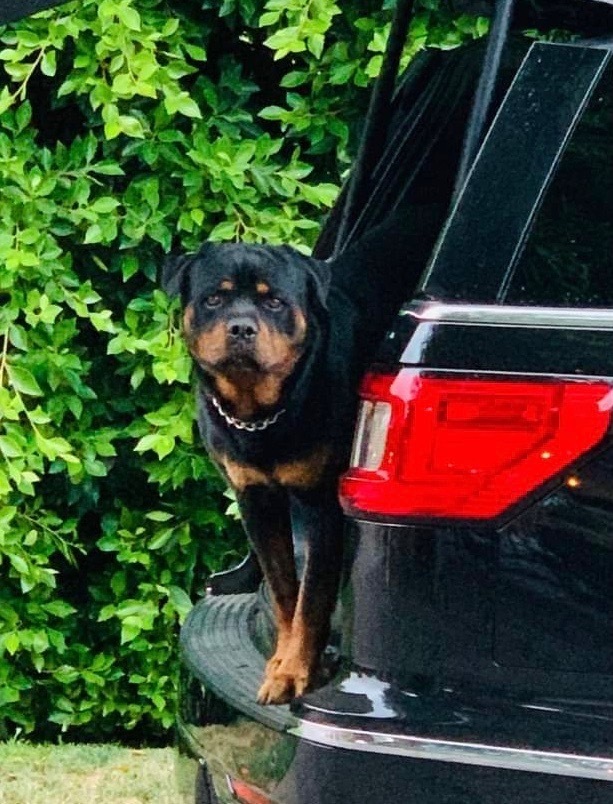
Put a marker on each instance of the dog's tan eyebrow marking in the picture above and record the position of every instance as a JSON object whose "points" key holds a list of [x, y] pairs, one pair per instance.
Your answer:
{"points": [[262, 287], [301, 325], [188, 318], [226, 284]]}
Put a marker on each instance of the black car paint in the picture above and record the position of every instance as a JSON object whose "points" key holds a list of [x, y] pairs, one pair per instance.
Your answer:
{"points": [[520, 612], [477, 660], [502, 349], [11, 10]]}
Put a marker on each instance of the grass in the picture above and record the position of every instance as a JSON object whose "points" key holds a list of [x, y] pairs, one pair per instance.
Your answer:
{"points": [[85, 774]]}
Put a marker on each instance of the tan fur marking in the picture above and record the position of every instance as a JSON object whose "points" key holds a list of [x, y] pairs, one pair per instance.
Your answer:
{"points": [[292, 675], [240, 475], [227, 390], [268, 390], [227, 284], [283, 621], [301, 325], [304, 473], [247, 393], [263, 288], [209, 346], [276, 351], [188, 319]]}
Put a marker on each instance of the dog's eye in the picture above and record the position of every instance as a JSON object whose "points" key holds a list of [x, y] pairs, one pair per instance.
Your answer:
{"points": [[273, 303], [213, 301]]}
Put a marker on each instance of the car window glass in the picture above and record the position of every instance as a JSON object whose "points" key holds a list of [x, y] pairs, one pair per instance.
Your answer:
{"points": [[568, 255]]}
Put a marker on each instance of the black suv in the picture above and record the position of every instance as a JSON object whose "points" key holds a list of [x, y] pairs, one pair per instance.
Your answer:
{"points": [[472, 658]]}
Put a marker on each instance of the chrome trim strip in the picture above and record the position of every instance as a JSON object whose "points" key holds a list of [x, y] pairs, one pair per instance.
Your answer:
{"points": [[491, 756], [510, 315]]}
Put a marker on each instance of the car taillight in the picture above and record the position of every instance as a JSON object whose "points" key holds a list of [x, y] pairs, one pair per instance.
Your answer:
{"points": [[246, 793], [466, 448]]}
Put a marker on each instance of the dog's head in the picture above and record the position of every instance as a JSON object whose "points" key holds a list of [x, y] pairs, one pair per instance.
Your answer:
{"points": [[248, 309]]}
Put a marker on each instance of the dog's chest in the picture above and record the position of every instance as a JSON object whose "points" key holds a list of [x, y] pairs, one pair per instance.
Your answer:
{"points": [[302, 473]]}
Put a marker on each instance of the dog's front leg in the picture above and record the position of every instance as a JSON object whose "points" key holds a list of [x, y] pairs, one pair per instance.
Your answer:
{"points": [[266, 517], [317, 515]]}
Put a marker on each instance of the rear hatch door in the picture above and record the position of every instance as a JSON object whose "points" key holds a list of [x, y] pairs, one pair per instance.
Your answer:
{"points": [[516, 302]]}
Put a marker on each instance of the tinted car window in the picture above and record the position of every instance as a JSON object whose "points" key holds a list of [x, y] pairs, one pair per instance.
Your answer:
{"points": [[568, 256]]}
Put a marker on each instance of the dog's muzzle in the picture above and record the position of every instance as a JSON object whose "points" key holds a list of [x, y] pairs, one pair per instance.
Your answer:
{"points": [[242, 330]]}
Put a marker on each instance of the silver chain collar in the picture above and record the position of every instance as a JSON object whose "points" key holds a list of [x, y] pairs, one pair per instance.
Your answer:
{"points": [[239, 424]]}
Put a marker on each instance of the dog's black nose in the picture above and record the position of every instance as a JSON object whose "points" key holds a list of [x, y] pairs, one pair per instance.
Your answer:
{"points": [[242, 329]]}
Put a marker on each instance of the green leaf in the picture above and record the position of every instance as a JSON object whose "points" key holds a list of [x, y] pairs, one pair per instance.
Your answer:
{"points": [[93, 234], [10, 447], [129, 632], [48, 63], [162, 539], [23, 381], [147, 442], [104, 205], [181, 103], [295, 78], [12, 643], [19, 563], [226, 230], [159, 516], [59, 608], [129, 16], [195, 52], [131, 126], [180, 600], [23, 118], [55, 447], [316, 44]]}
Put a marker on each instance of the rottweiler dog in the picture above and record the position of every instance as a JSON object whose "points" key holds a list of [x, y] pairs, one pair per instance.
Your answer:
{"points": [[279, 341]]}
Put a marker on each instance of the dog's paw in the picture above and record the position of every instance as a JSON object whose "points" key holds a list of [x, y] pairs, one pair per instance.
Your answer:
{"points": [[281, 689], [282, 649], [286, 680], [273, 663]]}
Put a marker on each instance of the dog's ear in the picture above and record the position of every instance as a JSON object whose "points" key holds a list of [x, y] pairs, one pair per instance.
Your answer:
{"points": [[180, 271], [319, 276], [176, 275]]}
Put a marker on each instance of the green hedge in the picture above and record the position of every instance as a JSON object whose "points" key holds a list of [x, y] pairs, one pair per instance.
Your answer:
{"points": [[128, 127]]}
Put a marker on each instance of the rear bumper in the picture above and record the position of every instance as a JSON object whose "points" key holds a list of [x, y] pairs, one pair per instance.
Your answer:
{"points": [[462, 753], [290, 770], [331, 750]]}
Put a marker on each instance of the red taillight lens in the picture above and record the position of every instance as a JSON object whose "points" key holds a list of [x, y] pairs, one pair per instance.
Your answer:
{"points": [[246, 793], [466, 448]]}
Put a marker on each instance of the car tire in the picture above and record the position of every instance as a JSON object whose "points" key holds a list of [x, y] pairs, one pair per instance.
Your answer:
{"points": [[204, 792]]}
